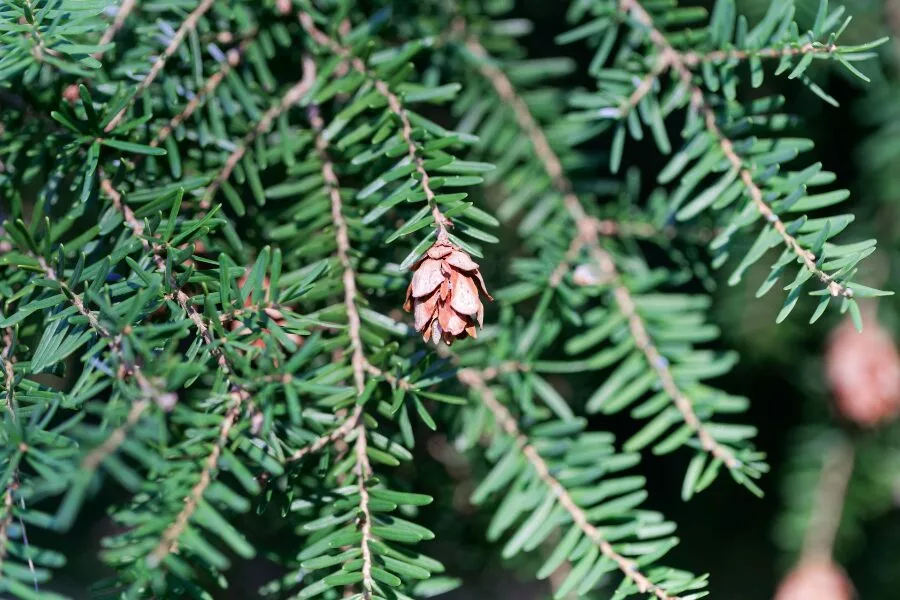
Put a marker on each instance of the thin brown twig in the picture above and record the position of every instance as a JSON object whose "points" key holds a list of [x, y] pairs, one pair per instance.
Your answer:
{"points": [[414, 153], [587, 236], [342, 238], [329, 438], [358, 358], [440, 221], [510, 366], [659, 363], [676, 61], [289, 99], [828, 506], [693, 59], [188, 25], [644, 86], [363, 473], [559, 273], [9, 371], [507, 422], [232, 59], [116, 438], [125, 9]]}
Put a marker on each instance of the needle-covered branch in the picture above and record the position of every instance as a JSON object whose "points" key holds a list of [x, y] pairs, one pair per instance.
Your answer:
{"points": [[587, 237]]}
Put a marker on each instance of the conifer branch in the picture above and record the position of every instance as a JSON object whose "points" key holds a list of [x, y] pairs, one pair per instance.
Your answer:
{"points": [[127, 369], [693, 59], [239, 395], [441, 222], [169, 540], [188, 25], [94, 323], [657, 361], [358, 359], [289, 99], [507, 422], [359, 362], [396, 107], [342, 239], [180, 296], [122, 13], [676, 60], [809, 259], [587, 230], [232, 59]]}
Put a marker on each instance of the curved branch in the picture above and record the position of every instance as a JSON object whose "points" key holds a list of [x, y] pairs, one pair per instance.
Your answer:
{"points": [[587, 236], [677, 61], [396, 107], [505, 420], [232, 59], [169, 539], [289, 99], [188, 25]]}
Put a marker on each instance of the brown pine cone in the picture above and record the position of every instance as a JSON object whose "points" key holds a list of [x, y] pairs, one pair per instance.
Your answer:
{"points": [[444, 294], [815, 579], [863, 370]]}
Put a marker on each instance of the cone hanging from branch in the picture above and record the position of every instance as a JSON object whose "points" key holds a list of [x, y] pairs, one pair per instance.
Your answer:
{"points": [[444, 294], [863, 370], [815, 579]]}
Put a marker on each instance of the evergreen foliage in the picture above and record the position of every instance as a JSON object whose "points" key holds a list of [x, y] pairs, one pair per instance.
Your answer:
{"points": [[210, 211]]}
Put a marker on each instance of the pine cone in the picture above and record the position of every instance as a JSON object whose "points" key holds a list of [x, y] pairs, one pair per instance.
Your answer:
{"points": [[443, 294], [863, 371], [815, 579]]}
